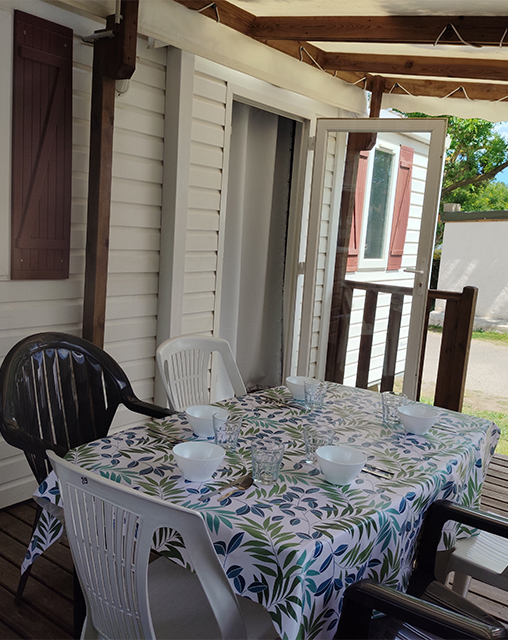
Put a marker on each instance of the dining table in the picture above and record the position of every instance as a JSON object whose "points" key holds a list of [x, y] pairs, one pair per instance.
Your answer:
{"points": [[295, 545]]}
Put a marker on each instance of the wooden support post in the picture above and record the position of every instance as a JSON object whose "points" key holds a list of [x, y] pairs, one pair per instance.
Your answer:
{"points": [[99, 199], [454, 355], [376, 96], [114, 58]]}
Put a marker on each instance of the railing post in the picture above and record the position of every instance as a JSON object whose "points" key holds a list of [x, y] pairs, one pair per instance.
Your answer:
{"points": [[455, 345]]}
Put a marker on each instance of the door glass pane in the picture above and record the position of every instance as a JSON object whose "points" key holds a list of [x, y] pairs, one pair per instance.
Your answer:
{"points": [[373, 214], [378, 204]]}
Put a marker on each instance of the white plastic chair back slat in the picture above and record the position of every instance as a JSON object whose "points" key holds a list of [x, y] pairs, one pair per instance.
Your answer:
{"points": [[184, 364], [110, 529]]}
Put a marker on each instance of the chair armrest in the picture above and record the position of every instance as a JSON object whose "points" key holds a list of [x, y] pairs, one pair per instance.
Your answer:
{"points": [[361, 598], [17, 437], [146, 408], [435, 518]]}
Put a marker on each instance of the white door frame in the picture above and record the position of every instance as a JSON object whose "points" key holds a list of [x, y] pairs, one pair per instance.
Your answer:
{"points": [[437, 128]]}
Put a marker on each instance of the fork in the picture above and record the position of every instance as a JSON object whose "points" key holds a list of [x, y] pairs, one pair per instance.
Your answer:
{"points": [[239, 482], [383, 473], [164, 436]]}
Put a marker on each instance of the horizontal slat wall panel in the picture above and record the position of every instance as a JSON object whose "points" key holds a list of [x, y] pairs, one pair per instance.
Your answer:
{"points": [[204, 202], [131, 311], [326, 213], [27, 307]]}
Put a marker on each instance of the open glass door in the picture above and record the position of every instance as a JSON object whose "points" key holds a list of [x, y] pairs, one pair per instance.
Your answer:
{"points": [[373, 210]]}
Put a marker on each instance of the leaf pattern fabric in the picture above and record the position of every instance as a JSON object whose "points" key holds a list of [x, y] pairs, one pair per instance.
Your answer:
{"points": [[296, 545]]}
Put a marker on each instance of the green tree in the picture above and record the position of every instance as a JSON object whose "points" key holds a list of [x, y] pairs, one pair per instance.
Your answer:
{"points": [[476, 154], [490, 196]]}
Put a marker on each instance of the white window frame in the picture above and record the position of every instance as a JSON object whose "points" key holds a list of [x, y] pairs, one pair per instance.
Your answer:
{"points": [[365, 264]]}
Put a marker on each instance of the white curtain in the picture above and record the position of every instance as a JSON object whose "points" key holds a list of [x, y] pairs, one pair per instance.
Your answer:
{"points": [[255, 242]]}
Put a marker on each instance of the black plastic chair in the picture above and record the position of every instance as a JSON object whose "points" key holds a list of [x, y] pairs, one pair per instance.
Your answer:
{"points": [[448, 614], [406, 617], [58, 391]]}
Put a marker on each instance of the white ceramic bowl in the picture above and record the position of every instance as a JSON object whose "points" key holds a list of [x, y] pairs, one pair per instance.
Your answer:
{"points": [[200, 418], [417, 418], [340, 464], [198, 461], [296, 385]]}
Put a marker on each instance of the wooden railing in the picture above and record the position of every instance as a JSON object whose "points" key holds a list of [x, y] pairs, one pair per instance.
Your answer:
{"points": [[455, 343]]}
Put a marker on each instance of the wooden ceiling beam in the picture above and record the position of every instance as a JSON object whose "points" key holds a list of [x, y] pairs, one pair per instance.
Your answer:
{"points": [[435, 88], [290, 35], [475, 68], [303, 51], [224, 12], [480, 30]]}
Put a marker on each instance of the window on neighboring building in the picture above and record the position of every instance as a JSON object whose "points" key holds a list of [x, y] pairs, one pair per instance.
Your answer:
{"points": [[378, 214], [381, 209]]}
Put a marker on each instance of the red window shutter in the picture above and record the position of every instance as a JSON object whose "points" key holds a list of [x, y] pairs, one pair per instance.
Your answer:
{"points": [[41, 149], [356, 224], [401, 207]]}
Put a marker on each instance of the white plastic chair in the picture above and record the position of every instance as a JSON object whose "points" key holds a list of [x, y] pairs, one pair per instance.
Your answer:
{"points": [[110, 529], [483, 557], [184, 364]]}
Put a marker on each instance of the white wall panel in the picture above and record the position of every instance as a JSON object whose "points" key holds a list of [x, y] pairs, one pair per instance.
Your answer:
{"points": [[27, 307]]}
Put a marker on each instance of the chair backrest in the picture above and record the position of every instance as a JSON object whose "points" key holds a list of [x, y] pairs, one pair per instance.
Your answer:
{"points": [[184, 364], [408, 618], [117, 595], [58, 391]]}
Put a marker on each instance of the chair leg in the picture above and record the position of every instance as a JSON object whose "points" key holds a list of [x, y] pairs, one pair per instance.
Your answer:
{"points": [[461, 582], [79, 608], [25, 575], [441, 570], [21, 584]]}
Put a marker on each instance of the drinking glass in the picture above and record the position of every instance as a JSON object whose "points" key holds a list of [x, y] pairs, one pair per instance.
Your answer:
{"points": [[226, 431], [315, 391], [266, 459], [391, 402], [316, 435]]}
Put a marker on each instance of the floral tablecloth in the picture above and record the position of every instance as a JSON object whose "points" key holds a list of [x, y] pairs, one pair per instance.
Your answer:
{"points": [[295, 546]]}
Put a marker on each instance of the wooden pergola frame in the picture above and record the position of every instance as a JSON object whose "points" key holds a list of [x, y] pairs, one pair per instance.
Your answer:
{"points": [[435, 76]]}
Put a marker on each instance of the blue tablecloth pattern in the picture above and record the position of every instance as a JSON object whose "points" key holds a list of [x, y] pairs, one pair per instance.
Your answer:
{"points": [[296, 545]]}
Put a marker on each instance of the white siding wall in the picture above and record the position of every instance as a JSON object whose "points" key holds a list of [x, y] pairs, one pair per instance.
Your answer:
{"points": [[325, 252], [205, 199], [131, 311], [27, 307], [474, 254]]}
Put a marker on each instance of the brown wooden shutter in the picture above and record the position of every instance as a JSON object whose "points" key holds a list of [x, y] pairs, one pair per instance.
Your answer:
{"points": [[356, 224], [41, 149], [401, 207]]}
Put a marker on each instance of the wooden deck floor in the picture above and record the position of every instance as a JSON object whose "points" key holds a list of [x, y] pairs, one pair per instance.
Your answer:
{"points": [[47, 607]]}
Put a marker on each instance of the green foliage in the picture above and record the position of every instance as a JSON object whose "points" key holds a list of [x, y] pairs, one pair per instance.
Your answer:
{"points": [[489, 196], [476, 154]]}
